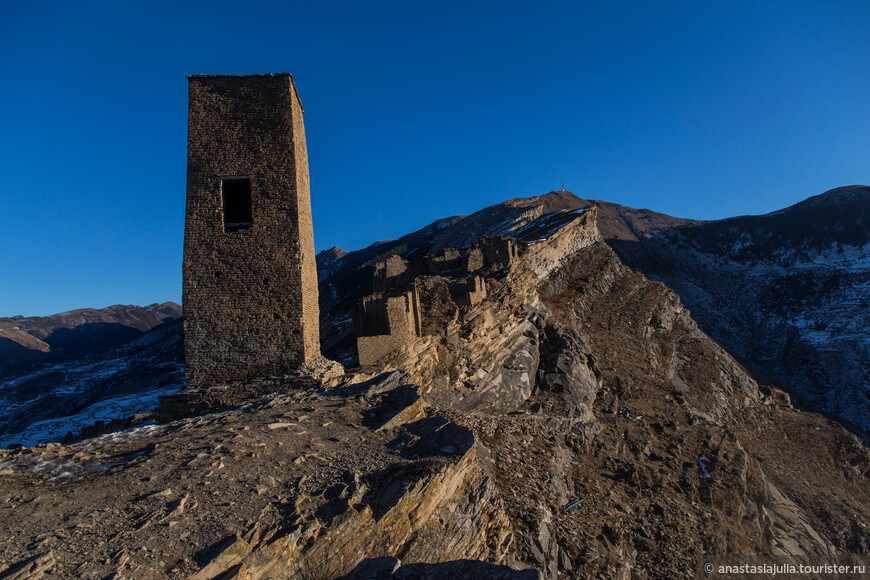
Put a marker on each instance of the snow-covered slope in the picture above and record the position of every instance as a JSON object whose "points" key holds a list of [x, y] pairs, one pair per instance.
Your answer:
{"points": [[117, 383], [788, 292]]}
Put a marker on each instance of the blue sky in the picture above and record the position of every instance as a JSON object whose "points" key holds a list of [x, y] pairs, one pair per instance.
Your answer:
{"points": [[414, 111]]}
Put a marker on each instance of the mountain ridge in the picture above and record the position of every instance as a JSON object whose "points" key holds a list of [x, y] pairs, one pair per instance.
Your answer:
{"points": [[661, 247], [786, 291], [28, 342]]}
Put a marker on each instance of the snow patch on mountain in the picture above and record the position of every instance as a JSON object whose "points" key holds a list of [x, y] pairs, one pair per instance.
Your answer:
{"points": [[545, 226], [119, 407], [45, 405]]}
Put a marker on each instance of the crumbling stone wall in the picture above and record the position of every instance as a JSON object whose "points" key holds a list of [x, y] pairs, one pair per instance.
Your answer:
{"points": [[449, 259], [383, 324], [385, 273], [473, 260], [470, 292], [395, 272], [250, 290], [391, 317], [370, 316], [498, 251]]}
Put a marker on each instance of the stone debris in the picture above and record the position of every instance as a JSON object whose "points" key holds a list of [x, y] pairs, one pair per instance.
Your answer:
{"points": [[279, 496], [34, 567]]}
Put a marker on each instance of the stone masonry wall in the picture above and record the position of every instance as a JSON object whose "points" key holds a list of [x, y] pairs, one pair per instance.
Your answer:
{"points": [[384, 324], [473, 260], [468, 292], [305, 227], [249, 296], [498, 251]]}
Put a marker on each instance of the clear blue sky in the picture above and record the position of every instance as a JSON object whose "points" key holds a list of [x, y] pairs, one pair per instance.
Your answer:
{"points": [[414, 111]]}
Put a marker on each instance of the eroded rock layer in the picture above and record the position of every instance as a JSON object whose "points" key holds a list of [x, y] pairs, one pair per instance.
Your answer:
{"points": [[296, 485]]}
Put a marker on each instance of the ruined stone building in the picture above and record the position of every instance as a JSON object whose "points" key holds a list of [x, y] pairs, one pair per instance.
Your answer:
{"points": [[383, 324], [468, 292], [495, 252], [395, 272], [392, 317], [250, 280]]}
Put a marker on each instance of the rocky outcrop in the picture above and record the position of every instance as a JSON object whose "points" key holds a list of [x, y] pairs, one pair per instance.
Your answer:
{"points": [[304, 484], [658, 442], [484, 358], [450, 514]]}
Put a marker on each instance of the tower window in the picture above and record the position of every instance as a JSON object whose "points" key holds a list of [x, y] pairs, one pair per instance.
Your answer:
{"points": [[237, 203]]}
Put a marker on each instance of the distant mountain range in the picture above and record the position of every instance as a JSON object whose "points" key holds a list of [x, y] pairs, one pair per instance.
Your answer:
{"points": [[29, 342], [787, 292], [61, 373]]}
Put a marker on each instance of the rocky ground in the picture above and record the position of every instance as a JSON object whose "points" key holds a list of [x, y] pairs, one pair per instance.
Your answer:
{"points": [[675, 452], [301, 484]]}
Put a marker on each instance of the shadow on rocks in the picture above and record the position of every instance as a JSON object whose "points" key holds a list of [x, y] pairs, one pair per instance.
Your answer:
{"points": [[388, 568], [431, 437]]}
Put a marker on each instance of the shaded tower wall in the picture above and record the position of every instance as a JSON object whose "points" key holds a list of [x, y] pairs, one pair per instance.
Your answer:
{"points": [[250, 279]]}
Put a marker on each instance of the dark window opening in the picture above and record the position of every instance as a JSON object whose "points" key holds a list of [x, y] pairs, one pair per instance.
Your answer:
{"points": [[237, 204]]}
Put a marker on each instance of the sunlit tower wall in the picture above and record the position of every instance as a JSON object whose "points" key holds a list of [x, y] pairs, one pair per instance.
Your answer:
{"points": [[250, 279]]}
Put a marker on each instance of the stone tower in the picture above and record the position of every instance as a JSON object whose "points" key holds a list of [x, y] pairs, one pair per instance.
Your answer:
{"points": [[250, 280]]}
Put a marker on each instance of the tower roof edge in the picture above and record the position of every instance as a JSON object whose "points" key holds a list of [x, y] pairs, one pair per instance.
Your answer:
{"points": [[265, 75]]}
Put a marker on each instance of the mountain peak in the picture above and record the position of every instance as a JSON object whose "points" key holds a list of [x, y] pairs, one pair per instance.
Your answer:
{"points": [[550, 202], [838, 195], [329, 257]]}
